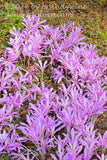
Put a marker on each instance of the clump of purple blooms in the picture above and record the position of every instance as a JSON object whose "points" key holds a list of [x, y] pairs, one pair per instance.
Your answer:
{"points": [[57, 118]]}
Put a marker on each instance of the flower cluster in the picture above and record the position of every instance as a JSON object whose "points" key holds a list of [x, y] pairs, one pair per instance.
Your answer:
{"points": [[37, 120]]}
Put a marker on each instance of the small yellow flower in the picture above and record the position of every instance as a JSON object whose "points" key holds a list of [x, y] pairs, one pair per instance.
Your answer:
{"points": [[95, 41], [55, 4], [24, 112], [3, 155], [61, 82], [8, 128], [37, 154], [102, 120], [104, 115]]}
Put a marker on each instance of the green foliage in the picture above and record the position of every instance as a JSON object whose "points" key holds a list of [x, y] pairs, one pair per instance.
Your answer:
{"points": [[103, 35], [9, 18], [4, 157]]}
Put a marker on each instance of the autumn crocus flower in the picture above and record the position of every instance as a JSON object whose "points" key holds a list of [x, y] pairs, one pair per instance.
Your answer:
{"points": [[8, 141], [56, 34], [55, 53], [103, 140], [57, 74], [7, 113]]}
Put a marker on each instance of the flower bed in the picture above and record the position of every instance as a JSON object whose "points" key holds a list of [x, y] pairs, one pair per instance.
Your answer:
{"points": [[52, 89]]}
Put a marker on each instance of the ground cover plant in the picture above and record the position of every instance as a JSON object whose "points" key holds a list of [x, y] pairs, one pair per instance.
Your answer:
{"points": [[91, 15], [40, 120]]}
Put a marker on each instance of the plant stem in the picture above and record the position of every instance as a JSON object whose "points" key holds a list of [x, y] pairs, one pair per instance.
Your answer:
{"points": [[94, 118], [42, 76], [43, 156]]}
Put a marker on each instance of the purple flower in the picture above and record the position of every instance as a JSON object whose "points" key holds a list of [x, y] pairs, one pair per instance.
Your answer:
{"points": [[55, 53], [39, 130], [27, 156], [6, 113], [103, 140], [56, 34], [8, 141], [89, 142], [57, 74]]}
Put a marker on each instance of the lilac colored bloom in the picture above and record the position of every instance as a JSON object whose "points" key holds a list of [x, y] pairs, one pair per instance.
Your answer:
{"points": [[1, 69], [31, 75], [30, 20], [32, 47], [73, 146], [55, 53], [103, 140], [8, 141], [42, 67], [4, 79], [19, 82], [56, 34], [14, 31], [103, 157], [24, 157], [39, 130], [6, 113], [16, 43], [66, 116], [65, 28], [57, 74], [89, 142]]}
